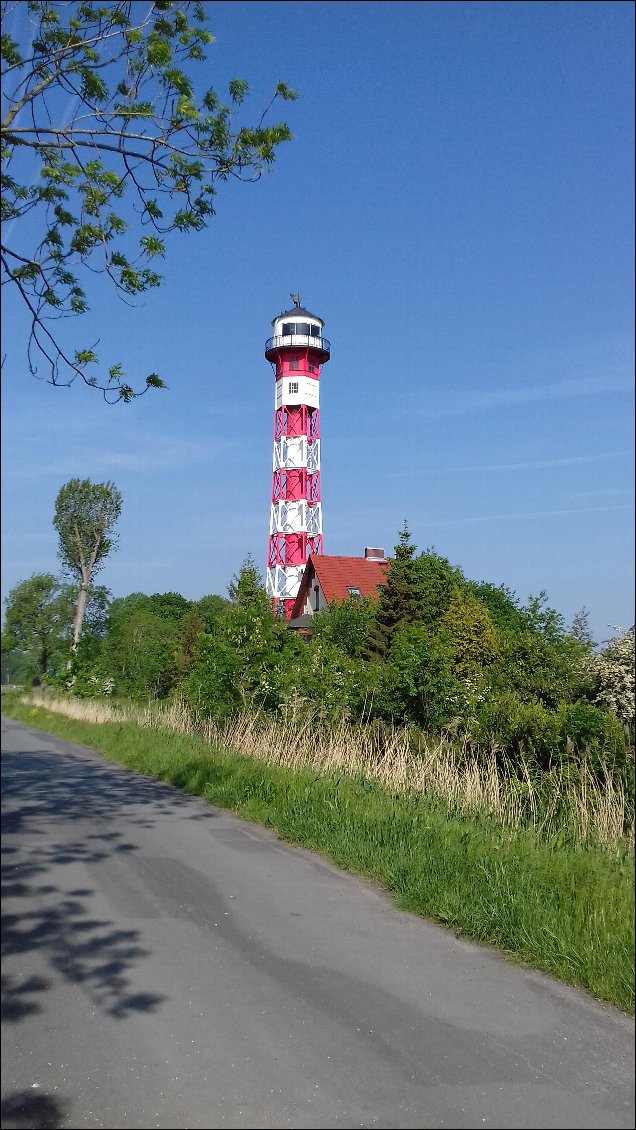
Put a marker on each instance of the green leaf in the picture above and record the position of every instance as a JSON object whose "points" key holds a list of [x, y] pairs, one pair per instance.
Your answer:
{"points": [[152, 245], [9, 51], [238, 90], [85, 357], [285, 92], [158, 51]]}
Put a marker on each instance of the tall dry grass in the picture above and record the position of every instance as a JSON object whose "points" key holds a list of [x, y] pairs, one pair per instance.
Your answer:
{"points": [[586, 806]]}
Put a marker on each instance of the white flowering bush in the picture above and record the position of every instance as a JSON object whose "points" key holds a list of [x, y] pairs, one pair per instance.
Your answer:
{"points": [[613, 673]]}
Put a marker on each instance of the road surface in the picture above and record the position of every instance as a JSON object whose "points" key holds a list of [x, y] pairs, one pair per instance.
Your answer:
{"points": [[169, 965]]}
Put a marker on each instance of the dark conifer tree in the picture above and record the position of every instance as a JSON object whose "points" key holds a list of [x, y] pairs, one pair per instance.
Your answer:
{"points": [[398, 597]]}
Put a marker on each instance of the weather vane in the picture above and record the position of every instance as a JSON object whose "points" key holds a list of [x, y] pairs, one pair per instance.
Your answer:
{"points": [[295, 299]]}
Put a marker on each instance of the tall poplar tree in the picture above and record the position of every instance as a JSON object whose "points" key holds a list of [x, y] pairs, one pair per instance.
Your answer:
{"points": [[85, 517]]}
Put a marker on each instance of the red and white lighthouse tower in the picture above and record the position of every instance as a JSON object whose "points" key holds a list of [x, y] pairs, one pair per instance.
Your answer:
{"points": [[297, 352]]}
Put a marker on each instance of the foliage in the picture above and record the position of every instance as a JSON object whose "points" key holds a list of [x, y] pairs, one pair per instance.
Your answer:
{"points": [[613, 673], [456, 658], [398, 597], [436, 582], [543, 619], [151, 644], [96, 616], [541, 669], [169, 605], [39, 613], [85, 516], [138, 652], [502, 604], [471, 633], [418, 590], [134, 154], [595, 733], [417, 680], [247, 660], [212, 686], [346, 624], [189, 631], [84, 674], [246, 586], [521, 729], [35, 620], [19, 668], [580, 629], [210, 609], [329, 682]]}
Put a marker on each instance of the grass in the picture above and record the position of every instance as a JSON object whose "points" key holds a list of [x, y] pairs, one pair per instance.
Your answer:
{"points": [[562, 903]]}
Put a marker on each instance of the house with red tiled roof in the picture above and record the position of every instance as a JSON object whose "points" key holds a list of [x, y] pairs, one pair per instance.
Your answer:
{"points": [[326, 579]]}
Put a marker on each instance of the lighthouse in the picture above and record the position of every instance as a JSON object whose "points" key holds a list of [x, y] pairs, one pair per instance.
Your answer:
{"points": [[297, 351]]}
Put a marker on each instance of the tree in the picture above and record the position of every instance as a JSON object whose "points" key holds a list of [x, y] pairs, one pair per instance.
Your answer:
{"points": [[18, 667], [436, 581], [417, 590], [151, 642], [210, 609], [138, 651], [543, 619], [189, 631], [85, 516], [135, 124], [417, 680], [398, 596], [471, 633], [36, 617], [251, 660], [346, 625], [246, 586], [580, 629], [538, 668], [501, 603], [170, 605], [39, 612]]}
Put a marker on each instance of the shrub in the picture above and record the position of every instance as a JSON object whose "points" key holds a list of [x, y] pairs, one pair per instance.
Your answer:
{"points": [[517, 728]]}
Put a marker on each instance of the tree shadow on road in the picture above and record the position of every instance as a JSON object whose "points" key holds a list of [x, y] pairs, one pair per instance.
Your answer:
{"points": [[26, 1110], [48, 791]]}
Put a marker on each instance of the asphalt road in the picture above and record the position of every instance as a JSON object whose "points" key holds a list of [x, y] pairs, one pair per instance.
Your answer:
{"points": [[169, 965]]}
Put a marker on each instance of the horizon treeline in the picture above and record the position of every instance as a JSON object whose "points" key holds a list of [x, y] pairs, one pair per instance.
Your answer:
{"points": [[436, 652]]}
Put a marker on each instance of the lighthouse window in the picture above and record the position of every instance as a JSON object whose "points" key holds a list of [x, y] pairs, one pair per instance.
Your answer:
{"points": [[312, 367], [293, 387], [293, 364], [304, 328]]}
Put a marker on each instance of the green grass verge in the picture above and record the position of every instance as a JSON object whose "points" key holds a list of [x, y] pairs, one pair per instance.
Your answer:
{"points": [[568, 911]]}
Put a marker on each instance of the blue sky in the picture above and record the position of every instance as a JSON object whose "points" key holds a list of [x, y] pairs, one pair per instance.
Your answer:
{"points": [[457, 205]]}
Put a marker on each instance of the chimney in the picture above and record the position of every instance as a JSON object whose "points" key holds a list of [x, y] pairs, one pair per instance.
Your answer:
{"points": [[371, 553]]}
